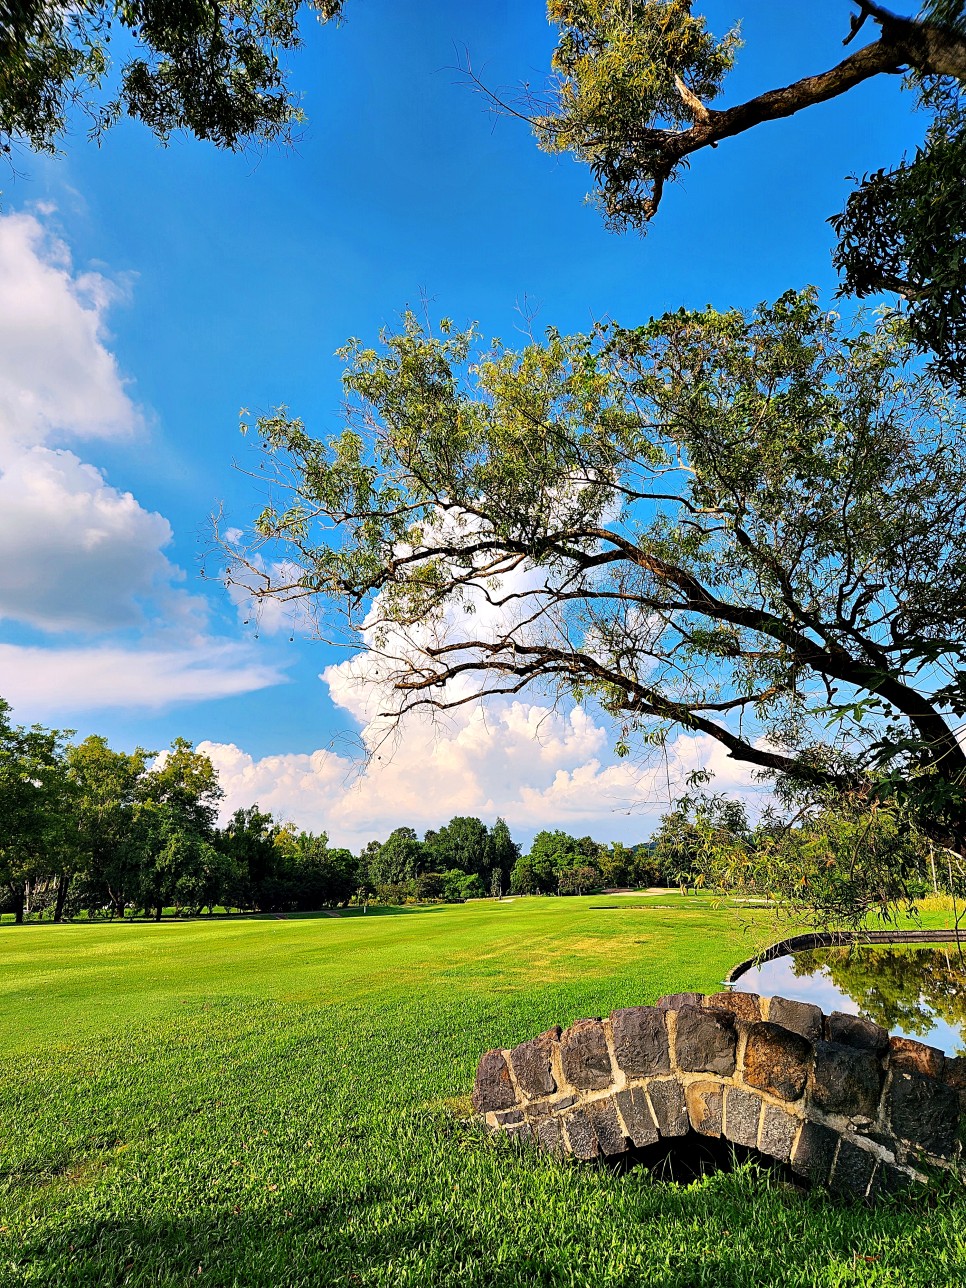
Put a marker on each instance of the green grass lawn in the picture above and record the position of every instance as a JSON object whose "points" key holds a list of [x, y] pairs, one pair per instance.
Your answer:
{"points": [[270, 1101]]}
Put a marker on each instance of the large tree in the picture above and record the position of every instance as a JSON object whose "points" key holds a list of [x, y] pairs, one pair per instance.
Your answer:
{"points": [[750, 527]]}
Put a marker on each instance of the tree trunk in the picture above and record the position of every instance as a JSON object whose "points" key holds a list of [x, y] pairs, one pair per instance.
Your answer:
{"points": [[63, 881], [158, 909], [21, 899]]}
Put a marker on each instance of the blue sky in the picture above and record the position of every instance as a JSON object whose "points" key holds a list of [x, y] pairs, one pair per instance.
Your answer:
{"points": [[170, 287]]}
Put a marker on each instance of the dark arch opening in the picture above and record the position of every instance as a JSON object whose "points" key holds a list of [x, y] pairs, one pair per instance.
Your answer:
{"points": [[679, 1160]]}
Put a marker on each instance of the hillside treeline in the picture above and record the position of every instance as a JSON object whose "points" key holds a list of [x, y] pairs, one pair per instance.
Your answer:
{"points": [[86, 829]]}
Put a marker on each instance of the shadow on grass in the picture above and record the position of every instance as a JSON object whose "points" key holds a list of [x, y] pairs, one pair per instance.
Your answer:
{"points": [[379, 1234]]}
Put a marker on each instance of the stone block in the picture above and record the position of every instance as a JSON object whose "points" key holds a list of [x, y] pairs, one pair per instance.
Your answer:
{"points": [[522, 1133], [540, 1108], [778, 1131], [915, 1057], [889, 1180], [674, 1001], [640, 1040], [704, 1101], [531, 1063], [923, 1111], [846, 1081], [814, 1151], [954, 1071], [853, 1170], [493, 1088], [704, 1041], [584, 1057], [580, 1134], [856, 1031], [776, 1060], [741, 1116], [798, 1017], [610, 1133], [508, 1117], [550, 1135], [668, 1106], [638, 1119], [744, 1006]]}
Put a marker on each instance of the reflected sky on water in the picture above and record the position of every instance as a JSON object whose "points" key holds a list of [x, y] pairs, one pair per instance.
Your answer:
{"points": [[918, 992]]}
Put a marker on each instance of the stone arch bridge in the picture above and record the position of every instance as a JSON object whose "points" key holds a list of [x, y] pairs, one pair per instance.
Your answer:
{"points": [[833, 1096]]}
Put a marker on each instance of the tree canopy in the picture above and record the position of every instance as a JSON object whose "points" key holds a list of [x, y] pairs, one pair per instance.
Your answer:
{"points": [[215, 70], [750, 527]]}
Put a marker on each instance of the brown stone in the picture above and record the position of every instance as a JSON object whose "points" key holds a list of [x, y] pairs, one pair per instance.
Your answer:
{"points": [[923, 1111], [640, 1040], [638, 1119], [704, 1041], [954, 1071], [797, 1017], [610, 1133], [814, 1151], [674, 1001], [741, 1116], [916, 1057], [584, 1057], [743, 1006], [508, 1117], [776, 1060], [667, 1103], [856, 1031], [493, 1088], [531, 1063], [778, 1130], [704, 1101], [846, 1081]]}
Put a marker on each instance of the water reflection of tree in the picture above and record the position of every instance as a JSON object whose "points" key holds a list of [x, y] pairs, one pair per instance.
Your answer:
{"points": [[897, 987]]}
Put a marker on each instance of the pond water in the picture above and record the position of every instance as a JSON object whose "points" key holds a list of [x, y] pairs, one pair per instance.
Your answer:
{"points": [[918, 992]]}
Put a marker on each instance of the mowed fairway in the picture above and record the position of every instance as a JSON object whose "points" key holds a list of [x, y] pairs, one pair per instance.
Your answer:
{"points": [[271, 1101]]}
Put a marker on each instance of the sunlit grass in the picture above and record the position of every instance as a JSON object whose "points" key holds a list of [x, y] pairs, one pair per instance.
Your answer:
{"points": [[261, 1102]]}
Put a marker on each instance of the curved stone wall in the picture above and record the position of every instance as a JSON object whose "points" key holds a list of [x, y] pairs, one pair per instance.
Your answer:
{"points": [[834, 1096], [842, 939]]}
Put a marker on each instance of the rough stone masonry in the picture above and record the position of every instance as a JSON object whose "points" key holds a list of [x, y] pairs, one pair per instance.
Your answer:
{"points": [[834, 1096]]}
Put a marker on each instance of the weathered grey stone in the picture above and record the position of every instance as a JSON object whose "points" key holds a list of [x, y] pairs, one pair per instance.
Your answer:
{"points": [[550, 1135], [507, 1117], [493, 1088], [668, 1105], [580, 1134], [637, 1116], [741, 1116], [674, 1001], [540, 1108], [889, 1180], [705, 1101], [584, 1057], [522, 1133], [776, 1060], [797, 1017], [640, 1040], [531, 1063], [845, 1080], [744, 1006], [610, 1134], [778, 1130], [853, 1170], [704, 1041], [915, 1057], [856, 1031], [923, 1111], [814, 1151]]}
